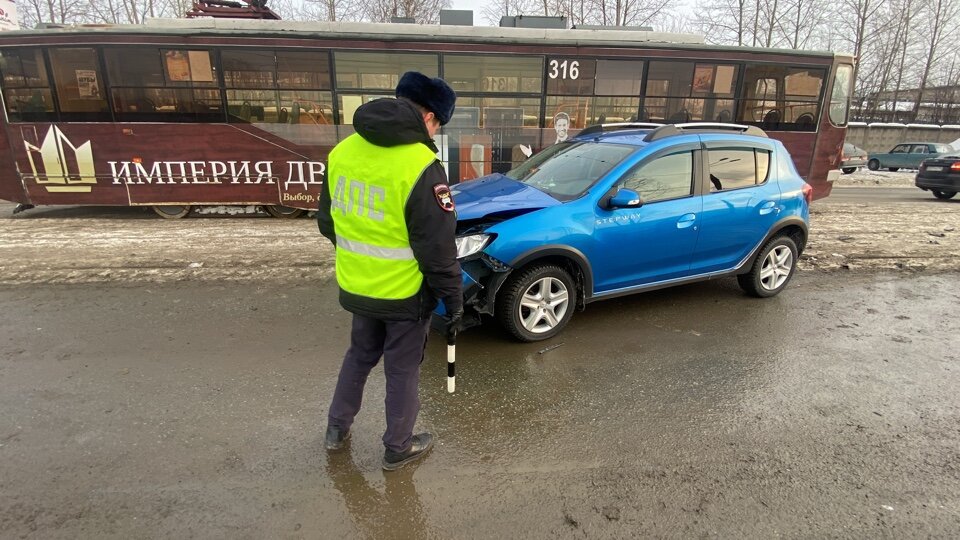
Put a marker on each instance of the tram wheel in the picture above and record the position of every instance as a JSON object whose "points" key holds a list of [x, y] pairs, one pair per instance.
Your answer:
{"points": [[172, 211], [283, 212]]}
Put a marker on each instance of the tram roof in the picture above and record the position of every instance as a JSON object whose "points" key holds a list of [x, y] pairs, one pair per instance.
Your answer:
{"points": [[615, 38]]}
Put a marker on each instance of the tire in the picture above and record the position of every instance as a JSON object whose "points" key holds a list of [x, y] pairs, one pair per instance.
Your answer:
{"points": [[772, 269], [944, 195], [873, 165], [172, 211], [528, 311], [849, 170], [893, 169], [283, 212]]}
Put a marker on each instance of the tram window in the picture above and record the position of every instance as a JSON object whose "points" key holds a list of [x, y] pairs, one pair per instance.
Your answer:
{"points": [[585, 111], [305, 107], [134, 67], [23, 68], [303, 70], [619, 77], [167, 104], [378, 70], [840, 98], [26, 90], [489, 134], [79, 85], [494, 74], [188, 67], [571, 76], [163, 85], [781, 98], [680, 92], [248, 69]]}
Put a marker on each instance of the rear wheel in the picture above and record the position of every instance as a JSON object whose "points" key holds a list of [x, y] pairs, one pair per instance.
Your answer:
{"points": [[537, 302], [172, 211], [772, 269], [283, 212], [849, 170], [873, 165], [943, 194], [893, 169]]}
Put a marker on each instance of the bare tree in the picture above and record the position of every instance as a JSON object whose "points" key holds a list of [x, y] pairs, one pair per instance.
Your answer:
{"points": [[629, 12], [724, 21], [422, 11], [801, 21], [941, 18], [493, 11]]}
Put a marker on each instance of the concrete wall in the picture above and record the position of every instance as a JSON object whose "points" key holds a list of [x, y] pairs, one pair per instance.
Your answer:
{"points": [[878, 137]]}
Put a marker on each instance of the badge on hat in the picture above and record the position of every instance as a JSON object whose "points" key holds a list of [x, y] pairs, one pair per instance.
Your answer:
{"points": [[444, 198]]}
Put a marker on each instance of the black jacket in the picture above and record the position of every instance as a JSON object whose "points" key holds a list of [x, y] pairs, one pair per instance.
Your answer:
{"points": [[432, 230]]}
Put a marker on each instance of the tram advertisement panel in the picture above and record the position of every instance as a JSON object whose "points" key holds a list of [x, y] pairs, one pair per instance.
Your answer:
{"points": [[147, 164]]}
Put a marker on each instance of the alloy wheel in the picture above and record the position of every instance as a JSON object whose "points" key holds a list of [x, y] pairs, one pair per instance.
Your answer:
{"points": [[776, 268], [544, 304]]}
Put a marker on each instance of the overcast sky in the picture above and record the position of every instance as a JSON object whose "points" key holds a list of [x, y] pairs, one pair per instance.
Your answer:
{"points": [[473, 5]]}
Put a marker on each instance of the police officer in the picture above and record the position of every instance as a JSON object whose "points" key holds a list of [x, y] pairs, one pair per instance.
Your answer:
{"points": [[388, 210]]}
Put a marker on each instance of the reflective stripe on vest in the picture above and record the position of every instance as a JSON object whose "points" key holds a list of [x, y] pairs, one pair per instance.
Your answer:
{"points": [[380, 252], [369, 186]]}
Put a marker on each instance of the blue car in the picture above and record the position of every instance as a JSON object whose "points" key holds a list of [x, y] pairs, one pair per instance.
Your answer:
{"points": [[626, 208]]}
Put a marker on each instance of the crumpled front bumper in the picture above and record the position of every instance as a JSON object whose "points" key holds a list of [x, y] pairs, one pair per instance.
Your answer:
{"points": [[482, 278]]}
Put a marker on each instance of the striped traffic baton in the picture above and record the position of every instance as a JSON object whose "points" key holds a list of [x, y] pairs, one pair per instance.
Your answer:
{"points": [[451, 362]]}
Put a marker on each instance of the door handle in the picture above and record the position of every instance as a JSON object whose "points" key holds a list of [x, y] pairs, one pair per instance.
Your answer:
{"points": [[686, 220]]}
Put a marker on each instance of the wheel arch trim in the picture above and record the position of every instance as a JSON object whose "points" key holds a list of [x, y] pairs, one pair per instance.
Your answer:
{"points": [[561, 250]]}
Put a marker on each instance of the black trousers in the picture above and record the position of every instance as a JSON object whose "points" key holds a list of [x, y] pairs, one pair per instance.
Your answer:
{"points": [[401, 344]]}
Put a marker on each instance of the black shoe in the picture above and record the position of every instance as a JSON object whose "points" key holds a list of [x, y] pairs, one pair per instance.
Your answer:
{"points": [[422, 443], [336, 437]]}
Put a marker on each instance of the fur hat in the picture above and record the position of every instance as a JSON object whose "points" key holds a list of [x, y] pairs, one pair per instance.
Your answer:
{"points": [[434, 94]]}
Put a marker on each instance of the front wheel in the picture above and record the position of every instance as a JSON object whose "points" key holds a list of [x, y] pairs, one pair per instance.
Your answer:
{"points": [[172, 211], [944, 195], [849, 170], [873, 165], [283, 212], [772, 269], [537, 302]]}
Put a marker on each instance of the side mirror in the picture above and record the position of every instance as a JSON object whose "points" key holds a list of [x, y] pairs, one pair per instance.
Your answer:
{"points": [[625, 198]]}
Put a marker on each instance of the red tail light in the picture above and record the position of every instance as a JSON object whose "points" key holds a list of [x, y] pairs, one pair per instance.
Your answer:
{"points": [[807, 193], [955, 166]]}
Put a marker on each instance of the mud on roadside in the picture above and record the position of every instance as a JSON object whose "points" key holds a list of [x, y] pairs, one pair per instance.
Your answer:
{"points": [[96, 246]]}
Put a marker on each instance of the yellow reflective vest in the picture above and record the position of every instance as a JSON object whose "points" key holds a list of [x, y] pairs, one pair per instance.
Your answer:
{"points": [[369, 186]]}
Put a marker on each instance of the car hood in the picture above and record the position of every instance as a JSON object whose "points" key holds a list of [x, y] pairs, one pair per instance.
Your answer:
{"points": [[497, 193]]}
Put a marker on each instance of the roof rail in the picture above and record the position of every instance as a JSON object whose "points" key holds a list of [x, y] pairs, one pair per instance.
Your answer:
{"points": [[602, 128], [702, 127]]}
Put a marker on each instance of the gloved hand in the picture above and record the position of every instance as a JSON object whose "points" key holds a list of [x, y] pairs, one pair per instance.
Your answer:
{"points": [[453, 322]]}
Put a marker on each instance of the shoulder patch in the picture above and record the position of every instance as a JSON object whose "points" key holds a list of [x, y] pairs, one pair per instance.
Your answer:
{"points": [[444, 198]]}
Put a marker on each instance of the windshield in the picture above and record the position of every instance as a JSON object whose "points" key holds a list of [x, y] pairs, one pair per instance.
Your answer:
{"points": [[566, 170]]}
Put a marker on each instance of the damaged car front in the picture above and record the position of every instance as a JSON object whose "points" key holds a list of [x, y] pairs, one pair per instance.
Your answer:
{"points": [[504, 220]]}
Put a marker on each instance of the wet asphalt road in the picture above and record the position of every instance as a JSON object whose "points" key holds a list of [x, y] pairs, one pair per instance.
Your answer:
{"points": [[197, 410]]}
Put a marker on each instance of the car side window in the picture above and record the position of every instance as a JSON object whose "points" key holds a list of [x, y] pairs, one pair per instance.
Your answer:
{"points": [[901, 149], [737, 168], [666, 177], [920, 149]]}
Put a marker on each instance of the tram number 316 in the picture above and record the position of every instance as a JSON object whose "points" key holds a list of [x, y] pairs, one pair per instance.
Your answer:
{"points": [[567, 69]]}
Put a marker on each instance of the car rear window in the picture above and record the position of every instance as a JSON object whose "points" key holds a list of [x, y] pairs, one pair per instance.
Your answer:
{"points": [[566, 170]]}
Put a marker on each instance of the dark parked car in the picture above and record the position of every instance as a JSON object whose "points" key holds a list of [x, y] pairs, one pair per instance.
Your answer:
{"points": [[941, 176], [853, 158], [907, 155]]}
